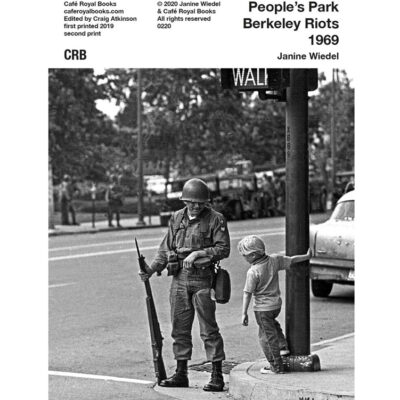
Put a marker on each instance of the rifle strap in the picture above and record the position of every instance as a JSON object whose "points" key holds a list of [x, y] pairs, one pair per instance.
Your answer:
{"points": [[176, 225]]}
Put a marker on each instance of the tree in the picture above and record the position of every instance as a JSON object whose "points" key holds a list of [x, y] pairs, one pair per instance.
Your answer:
{"points": [[263, 136], [80, 136], [320, 125], [190, 125], [188, 120]]}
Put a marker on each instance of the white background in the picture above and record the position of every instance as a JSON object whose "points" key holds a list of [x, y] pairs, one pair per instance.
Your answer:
{"points": [[31, 44], [219, 43]]}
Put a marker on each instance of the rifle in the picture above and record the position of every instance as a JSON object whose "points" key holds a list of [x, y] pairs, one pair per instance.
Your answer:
{"points": [[155, 332]]}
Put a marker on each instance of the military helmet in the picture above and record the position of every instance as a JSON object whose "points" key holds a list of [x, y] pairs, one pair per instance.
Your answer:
{"points": [[195, 190]]}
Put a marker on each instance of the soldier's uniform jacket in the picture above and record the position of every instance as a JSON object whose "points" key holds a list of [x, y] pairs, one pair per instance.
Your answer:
{"points": [[206, 232]]}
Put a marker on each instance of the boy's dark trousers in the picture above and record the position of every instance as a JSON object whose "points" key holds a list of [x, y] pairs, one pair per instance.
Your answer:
{"points": [[271, 337]]}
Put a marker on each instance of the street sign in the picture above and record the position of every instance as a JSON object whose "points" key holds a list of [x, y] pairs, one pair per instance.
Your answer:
{"points": [[263, 79], [254, 79]]}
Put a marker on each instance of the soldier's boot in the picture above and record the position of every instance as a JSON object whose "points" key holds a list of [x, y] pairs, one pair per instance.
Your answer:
{"points": [[216, 383], [180, 378]]}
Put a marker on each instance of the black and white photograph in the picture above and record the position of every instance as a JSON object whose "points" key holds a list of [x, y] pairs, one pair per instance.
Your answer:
{"points": [[201, 229], [178, 200]]}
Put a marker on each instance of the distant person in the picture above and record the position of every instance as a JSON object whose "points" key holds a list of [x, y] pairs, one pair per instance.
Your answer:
{"points": [[279, 186], [68, 191], [114, 197], [336, 195], [262, 282], [268, 196]]}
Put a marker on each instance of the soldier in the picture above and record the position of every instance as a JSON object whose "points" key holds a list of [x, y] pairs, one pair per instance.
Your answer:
{"points": [[279, 195], [68, 190], [114, 198], [269, 196], [197, 238]]}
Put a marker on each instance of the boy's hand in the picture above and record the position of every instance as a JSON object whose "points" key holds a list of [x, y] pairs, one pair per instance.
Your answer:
{"points": [[245, 320]]}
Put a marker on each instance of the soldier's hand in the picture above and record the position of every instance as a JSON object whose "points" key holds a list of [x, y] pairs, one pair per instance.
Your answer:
{"points": [[145, 276]]}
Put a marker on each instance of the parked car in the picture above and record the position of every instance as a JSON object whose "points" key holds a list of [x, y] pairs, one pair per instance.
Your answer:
{"points": [[332, 244]]}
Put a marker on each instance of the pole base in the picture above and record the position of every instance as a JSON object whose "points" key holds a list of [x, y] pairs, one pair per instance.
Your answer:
{"points": [[308, 363], [140, 223]]}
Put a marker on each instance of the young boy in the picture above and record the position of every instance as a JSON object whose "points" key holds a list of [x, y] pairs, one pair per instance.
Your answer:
{"points": [[262, 281]]}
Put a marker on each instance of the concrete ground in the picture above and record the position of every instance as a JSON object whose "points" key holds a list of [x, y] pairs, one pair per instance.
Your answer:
{"points": [[334, 381]]}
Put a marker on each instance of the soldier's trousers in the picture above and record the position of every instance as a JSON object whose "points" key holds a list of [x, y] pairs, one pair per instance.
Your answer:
{"points": [[190, 294]]}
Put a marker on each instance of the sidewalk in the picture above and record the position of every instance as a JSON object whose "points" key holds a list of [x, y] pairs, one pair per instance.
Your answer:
{"points": [[335, 380], [102, 226], [128, 223]]}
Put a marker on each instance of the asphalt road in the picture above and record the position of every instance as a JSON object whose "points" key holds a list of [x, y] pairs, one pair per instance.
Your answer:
{"points": [[98, 320]]}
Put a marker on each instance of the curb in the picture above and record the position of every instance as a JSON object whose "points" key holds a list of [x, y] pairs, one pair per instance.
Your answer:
{"points": [[56, 232], [245, 387]]}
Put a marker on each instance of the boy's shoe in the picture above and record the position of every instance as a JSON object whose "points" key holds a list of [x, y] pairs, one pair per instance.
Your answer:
{"points": [[284, 352]]}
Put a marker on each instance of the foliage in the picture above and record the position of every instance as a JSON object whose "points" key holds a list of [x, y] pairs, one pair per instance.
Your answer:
{"points": [[189, 124], [262, 137], [187, 118], [192, 126], [339, 97], [81, 138]]}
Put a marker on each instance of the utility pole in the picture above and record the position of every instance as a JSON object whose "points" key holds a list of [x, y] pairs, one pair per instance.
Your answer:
{"points": [[333, 137], [51, 201], [93, 191], [140, 221], [51, 222], [292, 86], [297, 224]]}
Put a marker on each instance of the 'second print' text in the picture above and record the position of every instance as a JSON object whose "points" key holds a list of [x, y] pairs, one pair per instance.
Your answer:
{"points": [[92, 18]]}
